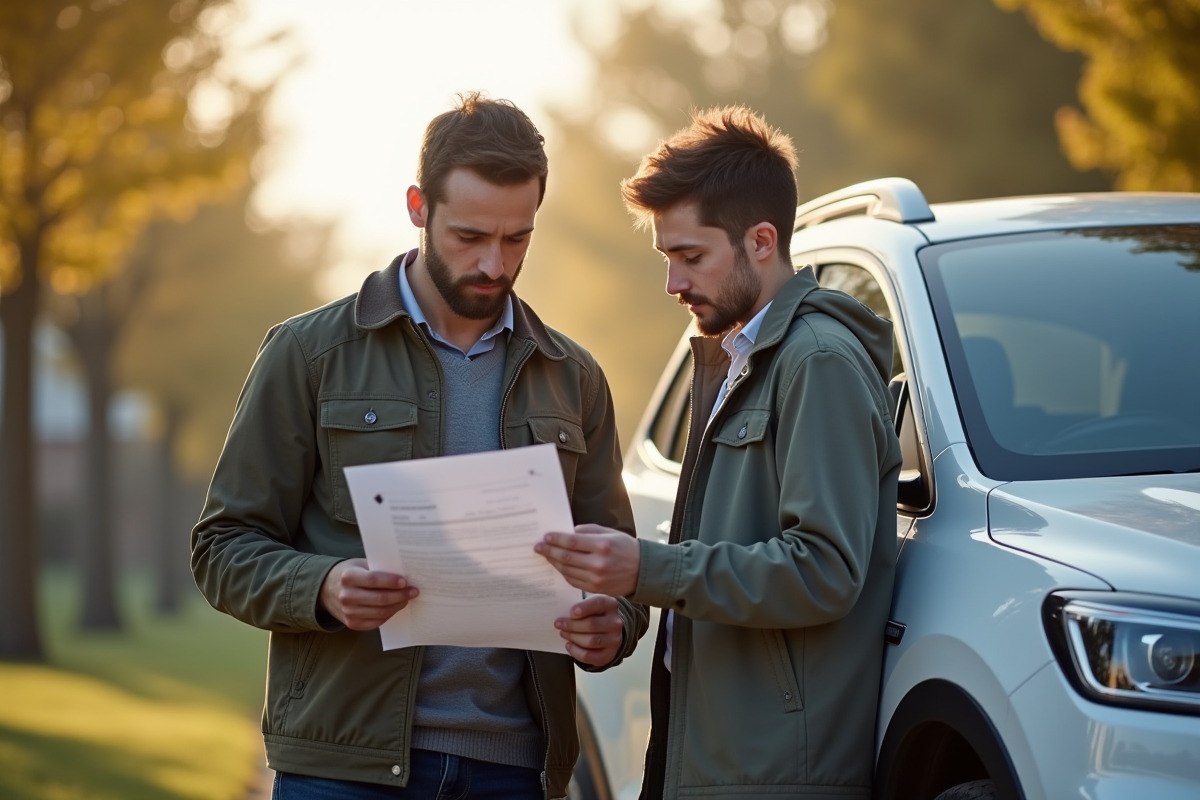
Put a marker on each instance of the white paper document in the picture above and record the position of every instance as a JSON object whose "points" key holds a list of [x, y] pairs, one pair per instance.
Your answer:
{"points": [[461, 529]]}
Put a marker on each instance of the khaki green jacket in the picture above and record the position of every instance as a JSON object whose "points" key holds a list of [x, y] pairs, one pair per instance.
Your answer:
{"points": [[278, 517], [780, 567]]}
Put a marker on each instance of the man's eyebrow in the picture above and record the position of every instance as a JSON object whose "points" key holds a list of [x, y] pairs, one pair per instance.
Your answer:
{"points": [[471, 231], [675, 248]]}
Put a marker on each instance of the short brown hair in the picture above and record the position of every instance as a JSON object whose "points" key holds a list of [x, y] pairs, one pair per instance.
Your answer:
{"points": [[492, 138], [738, 170]]}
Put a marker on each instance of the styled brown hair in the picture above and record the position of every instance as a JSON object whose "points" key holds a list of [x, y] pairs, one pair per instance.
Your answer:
{"points": [[738, 170], [492, 138]]}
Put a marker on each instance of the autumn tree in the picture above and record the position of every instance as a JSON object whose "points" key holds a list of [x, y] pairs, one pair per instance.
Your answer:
{"points": [[1140, 88], [215, 284], [959, 97], [100, 130]]}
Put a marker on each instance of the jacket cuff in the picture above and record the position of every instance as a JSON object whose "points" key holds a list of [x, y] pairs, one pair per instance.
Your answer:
{"points": [[304, 594], [658, 575]]}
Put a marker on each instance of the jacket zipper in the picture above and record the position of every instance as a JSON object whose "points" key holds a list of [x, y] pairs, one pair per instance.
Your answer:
{"points": [[508, 393], [441, 391], [541, 699]]}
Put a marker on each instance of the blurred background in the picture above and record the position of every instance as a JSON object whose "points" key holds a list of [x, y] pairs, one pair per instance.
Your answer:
{"points": [[178, 175]]}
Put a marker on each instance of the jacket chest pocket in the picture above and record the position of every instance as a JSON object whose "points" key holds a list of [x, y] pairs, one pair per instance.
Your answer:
{"points": [[567, 437], [743, 427], [364, 430]]}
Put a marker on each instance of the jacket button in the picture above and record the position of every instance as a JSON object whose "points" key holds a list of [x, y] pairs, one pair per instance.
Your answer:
{"points": [[787, 695], [562, 436], [432, 395], [370, 417], [395, 769], [742, 433]]}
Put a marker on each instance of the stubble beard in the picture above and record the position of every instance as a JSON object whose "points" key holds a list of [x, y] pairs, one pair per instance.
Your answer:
{"points": [[735, 298]]}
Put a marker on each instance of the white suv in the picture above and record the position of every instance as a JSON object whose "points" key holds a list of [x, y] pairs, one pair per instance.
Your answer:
{"points": [[1045, 633]]}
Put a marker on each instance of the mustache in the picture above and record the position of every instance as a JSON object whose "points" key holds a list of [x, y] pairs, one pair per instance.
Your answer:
{"points": [[688, 299], [502, 282]]}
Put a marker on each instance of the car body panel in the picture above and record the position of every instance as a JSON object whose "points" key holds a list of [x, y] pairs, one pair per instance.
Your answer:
{"points": [[1124, 754], [1056, 212], [1138, 533]]}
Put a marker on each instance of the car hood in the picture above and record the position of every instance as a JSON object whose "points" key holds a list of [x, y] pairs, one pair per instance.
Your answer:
{"points": [[1136, 533]]}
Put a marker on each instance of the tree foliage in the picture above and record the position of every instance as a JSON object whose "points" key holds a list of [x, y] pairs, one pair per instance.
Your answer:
{"points": [[211, 288], [1140, 89], [959, 97], [111, 112], [216, 284]]}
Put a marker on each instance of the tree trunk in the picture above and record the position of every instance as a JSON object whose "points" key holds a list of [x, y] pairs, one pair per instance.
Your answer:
{"points": [[172, 573], [19, 637], [93, 336]]}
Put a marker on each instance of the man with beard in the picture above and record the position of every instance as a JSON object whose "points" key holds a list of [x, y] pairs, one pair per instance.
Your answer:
{"points": [[434, 356], [777, 576]]}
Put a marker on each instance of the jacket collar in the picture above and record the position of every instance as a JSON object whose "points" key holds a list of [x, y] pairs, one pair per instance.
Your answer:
{"points": [[379, 304], [784, 308]]}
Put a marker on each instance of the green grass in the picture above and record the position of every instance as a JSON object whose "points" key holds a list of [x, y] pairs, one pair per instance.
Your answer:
{"points": [[165, 710]]}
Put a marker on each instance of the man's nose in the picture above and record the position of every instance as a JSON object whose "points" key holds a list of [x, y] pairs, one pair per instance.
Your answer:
{"points": [[677, 284], [491, 262]]}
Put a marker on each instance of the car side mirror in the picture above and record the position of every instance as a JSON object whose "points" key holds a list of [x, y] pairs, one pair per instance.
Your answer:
{"points": [[914, 493]]}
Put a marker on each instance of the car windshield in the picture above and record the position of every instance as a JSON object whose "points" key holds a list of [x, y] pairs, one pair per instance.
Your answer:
{"points": [[1074, 353]]}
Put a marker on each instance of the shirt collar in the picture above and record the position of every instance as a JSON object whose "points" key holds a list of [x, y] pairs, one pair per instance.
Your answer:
{"points": [[739, 340]]}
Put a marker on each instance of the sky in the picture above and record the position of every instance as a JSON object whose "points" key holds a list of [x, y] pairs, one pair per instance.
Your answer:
{"points": [[349, 120]]}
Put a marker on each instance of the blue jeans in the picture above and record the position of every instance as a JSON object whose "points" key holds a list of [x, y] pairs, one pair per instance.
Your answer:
{"points": [[433, 776]]}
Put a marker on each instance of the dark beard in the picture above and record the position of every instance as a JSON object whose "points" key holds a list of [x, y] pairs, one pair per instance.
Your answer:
{"points": [[455, 293], [735, 297]]}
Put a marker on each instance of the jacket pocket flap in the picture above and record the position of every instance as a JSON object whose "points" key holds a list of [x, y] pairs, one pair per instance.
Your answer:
{"points": [[368, 414], [743, 426], [562, 434]]}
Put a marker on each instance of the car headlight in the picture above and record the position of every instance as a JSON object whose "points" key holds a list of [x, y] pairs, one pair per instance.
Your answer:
{"points": [[1126, 649]]}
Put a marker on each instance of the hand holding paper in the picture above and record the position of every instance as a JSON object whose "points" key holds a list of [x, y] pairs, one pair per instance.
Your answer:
{"points": [[462, 528], [362, 599], [594, 630], [595, 558]]}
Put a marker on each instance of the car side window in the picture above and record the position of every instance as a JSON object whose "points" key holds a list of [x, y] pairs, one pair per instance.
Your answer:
{"points": [[862, 286], [669, 430], [915, 493]]}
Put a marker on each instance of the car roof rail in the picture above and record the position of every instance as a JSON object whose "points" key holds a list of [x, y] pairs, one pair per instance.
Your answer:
{"points": [[896, 199]]}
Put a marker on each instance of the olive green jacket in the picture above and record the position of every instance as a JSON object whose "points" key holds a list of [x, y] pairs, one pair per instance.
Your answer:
{"points": [[780, 562], [356, 382]]}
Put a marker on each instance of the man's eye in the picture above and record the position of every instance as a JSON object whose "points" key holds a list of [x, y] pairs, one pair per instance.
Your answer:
{"points": [[467, 238], [692, 259]]}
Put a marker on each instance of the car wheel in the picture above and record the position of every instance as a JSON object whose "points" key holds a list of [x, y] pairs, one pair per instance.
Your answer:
{"points": [[972, 790]]}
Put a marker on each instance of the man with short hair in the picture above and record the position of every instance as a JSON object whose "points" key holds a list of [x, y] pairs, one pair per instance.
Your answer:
{"points": [[776, 580], [434, 356]]}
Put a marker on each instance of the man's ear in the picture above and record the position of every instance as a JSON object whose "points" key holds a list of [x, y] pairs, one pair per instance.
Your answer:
{"points": [[418, 209], [761, 241]]}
